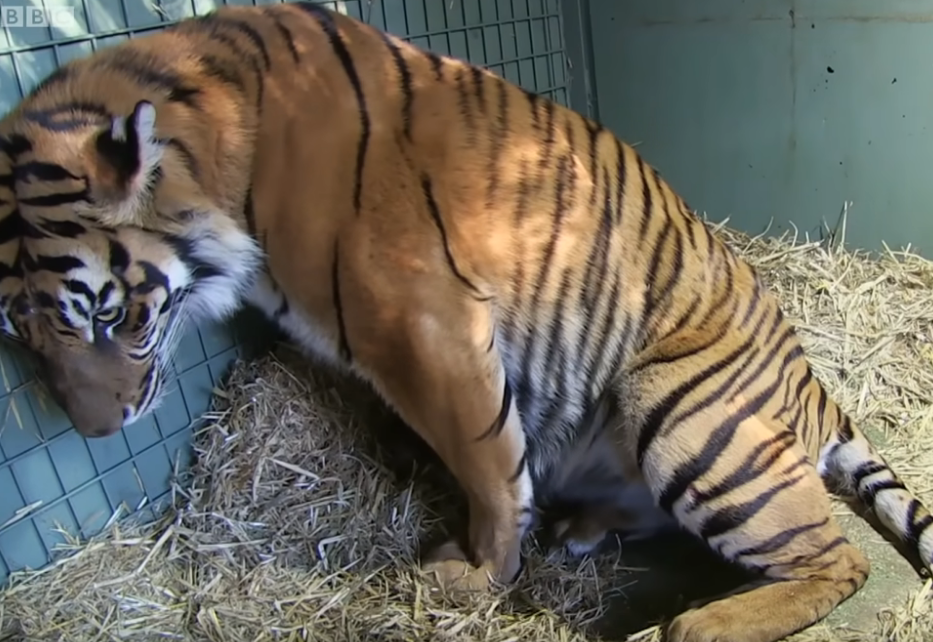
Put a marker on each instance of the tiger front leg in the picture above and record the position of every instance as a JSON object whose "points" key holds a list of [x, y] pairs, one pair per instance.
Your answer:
{"points": [[443, 374]]}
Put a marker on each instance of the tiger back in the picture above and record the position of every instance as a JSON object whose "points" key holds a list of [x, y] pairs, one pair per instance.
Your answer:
{"points": [[497, 266]]}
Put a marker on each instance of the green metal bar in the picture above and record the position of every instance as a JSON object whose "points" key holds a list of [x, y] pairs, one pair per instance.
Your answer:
{"points": [[578, 49]]}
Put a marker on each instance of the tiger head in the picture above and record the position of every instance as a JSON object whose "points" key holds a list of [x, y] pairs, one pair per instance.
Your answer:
{"points": [[109, 244]]}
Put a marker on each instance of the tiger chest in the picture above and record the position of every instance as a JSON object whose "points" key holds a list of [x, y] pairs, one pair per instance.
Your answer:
{"points": [[312, 335]]}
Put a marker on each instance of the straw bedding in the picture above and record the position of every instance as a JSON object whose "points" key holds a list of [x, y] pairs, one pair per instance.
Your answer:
{"points": [[297, 523]]}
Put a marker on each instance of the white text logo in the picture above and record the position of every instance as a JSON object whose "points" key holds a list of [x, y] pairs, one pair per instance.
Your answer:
{"points": [[12, 16]]}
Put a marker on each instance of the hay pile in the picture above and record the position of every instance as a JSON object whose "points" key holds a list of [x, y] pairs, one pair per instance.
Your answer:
{"points": [[297, 525]]}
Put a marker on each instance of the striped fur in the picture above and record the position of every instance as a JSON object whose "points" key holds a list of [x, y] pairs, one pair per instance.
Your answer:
{"points": [[496, 265]]}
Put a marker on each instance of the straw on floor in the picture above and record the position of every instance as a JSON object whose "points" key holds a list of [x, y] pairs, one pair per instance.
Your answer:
{"points": [[291, 526]]}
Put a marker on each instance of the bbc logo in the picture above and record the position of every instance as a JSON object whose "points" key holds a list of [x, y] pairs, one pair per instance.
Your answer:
{"points": [[12, 16]]}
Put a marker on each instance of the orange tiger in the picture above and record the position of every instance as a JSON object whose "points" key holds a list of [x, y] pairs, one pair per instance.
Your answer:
{"points": [[497, 266]]}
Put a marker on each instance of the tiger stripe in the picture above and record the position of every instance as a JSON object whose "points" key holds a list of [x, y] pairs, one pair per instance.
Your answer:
{"points": [[328, 25]]}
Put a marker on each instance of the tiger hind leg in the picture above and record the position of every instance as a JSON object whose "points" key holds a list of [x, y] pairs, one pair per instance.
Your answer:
{"points": [[742, 483], [777, 523]]}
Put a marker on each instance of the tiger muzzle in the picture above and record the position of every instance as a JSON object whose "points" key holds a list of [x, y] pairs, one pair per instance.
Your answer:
{"points": [[93, 404]]}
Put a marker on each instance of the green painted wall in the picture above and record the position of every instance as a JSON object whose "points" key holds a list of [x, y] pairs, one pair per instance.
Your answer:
{"points": [[779, 108]]}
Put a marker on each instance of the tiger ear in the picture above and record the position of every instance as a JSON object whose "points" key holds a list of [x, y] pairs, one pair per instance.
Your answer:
{"points": [[130, 155]]}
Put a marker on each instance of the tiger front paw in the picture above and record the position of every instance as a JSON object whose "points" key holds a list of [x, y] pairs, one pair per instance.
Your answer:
{"points": [[449, 569]]}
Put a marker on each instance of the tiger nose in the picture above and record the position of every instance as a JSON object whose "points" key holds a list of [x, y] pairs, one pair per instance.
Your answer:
{"points": [[92, 412], [101, 432], [96, 422]]}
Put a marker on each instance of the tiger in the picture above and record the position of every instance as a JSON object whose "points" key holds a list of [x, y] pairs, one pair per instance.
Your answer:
{"points": [[520, 286]]}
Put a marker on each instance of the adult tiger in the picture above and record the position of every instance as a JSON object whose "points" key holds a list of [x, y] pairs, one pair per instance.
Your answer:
{"points": [[494, 264]]}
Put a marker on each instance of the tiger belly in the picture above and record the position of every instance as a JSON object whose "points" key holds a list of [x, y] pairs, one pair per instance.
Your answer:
{"points": [[570, 450], [552, 398]]}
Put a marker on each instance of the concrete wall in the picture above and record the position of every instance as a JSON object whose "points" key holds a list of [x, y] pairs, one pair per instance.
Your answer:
{"points": [[779, 108]]}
